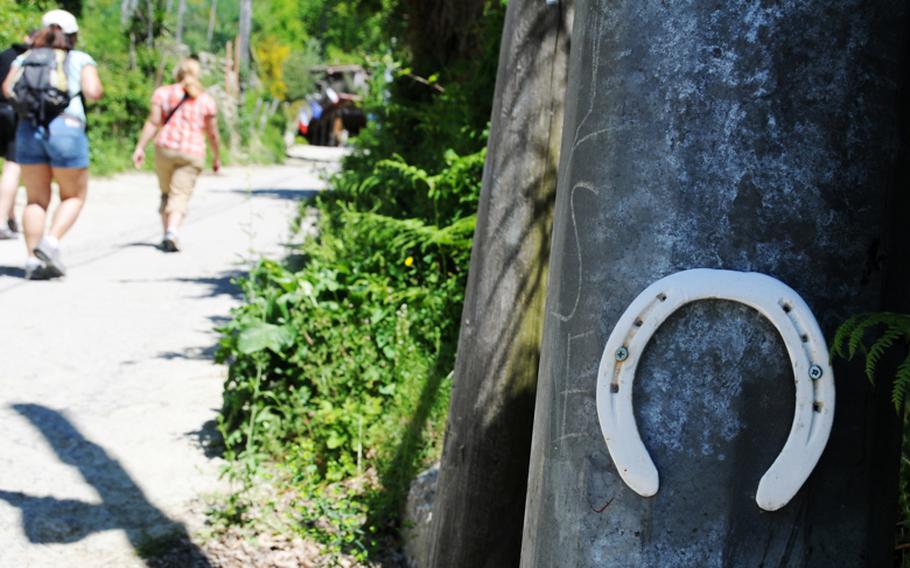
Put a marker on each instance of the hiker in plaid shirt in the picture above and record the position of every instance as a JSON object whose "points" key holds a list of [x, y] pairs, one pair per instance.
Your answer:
{"points": [[184, 116]]}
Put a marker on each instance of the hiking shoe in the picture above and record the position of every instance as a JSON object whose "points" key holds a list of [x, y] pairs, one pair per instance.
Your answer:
{"points": [[49, 253], [6, 234], [170, 243]]}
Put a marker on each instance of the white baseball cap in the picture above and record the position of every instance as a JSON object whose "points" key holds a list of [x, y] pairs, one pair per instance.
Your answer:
{"points": [[62, 18]]}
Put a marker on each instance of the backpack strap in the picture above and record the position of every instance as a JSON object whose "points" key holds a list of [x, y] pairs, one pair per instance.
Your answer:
{"points": [[66, 65], [84, 110], [174, 110]]}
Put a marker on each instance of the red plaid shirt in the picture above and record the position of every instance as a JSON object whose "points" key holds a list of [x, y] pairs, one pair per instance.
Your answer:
{"points": [[185, 132]]}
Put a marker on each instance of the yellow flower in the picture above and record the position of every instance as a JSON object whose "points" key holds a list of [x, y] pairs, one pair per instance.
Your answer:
{"points": [[409, 261]]}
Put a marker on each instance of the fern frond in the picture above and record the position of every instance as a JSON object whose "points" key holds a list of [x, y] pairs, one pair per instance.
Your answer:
{"points": [[901, 384], [839, 343], [895, 329], [408, 233], [398, 166], [866, 323], [875, 352]]}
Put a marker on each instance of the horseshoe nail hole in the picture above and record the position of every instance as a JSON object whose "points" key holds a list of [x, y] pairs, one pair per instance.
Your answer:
{"points": [[817, 406], [786, 307], [638, 323], [804, 338], [614, 388], [662, 297]]}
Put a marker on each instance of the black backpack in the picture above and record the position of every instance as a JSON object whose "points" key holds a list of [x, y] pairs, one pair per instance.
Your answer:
{"points": [[40, 91]]}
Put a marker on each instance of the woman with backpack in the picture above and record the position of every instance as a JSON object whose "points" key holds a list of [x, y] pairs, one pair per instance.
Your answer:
{"points": [[183, 116], [51, 143]]}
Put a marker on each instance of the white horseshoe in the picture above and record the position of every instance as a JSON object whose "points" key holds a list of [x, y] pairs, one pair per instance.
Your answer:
{"points": [[805, 344]]}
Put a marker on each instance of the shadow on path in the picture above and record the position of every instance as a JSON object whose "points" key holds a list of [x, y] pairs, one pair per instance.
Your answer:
{"points": [[123, 505], [276, 193], [218, 285], [208, 439], [221, 285], [191, 354], [142, 244], [15, 271], [198, 353]]}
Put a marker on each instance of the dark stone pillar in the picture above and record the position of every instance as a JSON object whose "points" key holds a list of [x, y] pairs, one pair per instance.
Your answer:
{"points": [[739, 135]]}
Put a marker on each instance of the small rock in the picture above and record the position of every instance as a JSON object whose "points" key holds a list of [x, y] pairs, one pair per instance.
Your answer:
{"points": [[418, 517]]}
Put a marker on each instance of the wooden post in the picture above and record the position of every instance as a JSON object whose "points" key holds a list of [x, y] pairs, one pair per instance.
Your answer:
{"points": [[479, 507], [228, 67]]}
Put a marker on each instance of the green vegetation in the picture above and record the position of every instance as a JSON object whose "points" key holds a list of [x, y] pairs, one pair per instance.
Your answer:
{"points": [[18, 18], [136, 55], [341, 357], [875, 335], [893, 331]]}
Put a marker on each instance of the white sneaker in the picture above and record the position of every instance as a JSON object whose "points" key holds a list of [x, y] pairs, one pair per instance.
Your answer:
{"points": [[49, 253], [170, 243], [36, 270]]}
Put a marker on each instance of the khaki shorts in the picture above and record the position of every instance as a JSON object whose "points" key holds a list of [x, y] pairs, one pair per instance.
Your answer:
{"points": [[177, 173]]}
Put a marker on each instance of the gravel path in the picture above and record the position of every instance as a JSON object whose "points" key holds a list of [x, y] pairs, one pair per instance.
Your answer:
{"points": [[108, 389]]}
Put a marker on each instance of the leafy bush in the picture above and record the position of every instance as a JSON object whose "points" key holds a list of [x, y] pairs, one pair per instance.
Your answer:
{"points": [[334, 367], [340, 358], [18, 17]]}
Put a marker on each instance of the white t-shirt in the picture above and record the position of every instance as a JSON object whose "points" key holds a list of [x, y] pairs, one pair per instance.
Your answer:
{"points": [[76, 61]]}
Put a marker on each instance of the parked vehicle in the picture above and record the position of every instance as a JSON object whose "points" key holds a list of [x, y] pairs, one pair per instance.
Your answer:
{"points": [[331, 116]]}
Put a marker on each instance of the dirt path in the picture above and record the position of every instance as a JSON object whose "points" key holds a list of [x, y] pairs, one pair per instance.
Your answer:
{"points": [[108, 389]]}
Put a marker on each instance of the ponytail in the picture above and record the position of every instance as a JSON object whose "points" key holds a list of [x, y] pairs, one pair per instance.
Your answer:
{"points": [[52, 36], [188, 76]]}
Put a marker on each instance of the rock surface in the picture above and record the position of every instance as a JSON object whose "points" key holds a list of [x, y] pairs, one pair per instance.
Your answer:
{"points": [[740, 135], [416, 532]]}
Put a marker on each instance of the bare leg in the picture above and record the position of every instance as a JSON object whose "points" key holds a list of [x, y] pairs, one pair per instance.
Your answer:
{"points": [[9, 183], [73, 189], [37, 180]]}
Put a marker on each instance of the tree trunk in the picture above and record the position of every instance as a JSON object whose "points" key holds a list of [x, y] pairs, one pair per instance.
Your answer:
{"points": [[150, 23], [733, 135], [181, 10], [132, 50], [211, 31], [127, 8], [480, 498], [246, 24]]}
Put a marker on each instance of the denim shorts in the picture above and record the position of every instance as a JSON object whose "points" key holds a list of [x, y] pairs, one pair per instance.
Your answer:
{"points": [[62, 144]]}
